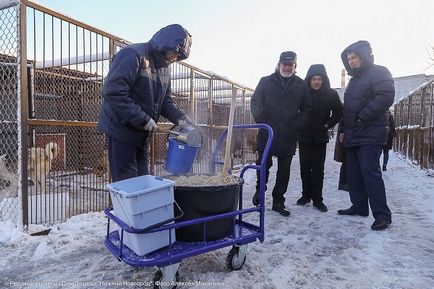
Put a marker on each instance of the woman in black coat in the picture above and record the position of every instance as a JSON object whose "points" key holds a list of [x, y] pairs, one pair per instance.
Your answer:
{"points": [[314, 136]]}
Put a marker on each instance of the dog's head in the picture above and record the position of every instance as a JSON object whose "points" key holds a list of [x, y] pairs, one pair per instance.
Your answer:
{"points": [[51, 150]]}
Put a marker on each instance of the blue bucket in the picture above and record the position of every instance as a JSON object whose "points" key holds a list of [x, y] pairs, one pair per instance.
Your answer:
{"points": [[180, 157]]}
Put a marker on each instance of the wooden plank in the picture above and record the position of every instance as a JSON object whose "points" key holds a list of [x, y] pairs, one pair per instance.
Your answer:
{"points": [[227, 160]]}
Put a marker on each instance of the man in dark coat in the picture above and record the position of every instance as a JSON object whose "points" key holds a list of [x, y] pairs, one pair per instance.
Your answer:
{"points": [[314, 136], [280, 100], [136, 92], [369, 94]]}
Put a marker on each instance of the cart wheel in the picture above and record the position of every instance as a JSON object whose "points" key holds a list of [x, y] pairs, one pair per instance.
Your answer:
{"points": [[235, 260], [158, 276]]}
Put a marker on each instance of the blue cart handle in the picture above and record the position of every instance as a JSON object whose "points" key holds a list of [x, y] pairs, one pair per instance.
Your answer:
{"points": [[130, 229]]}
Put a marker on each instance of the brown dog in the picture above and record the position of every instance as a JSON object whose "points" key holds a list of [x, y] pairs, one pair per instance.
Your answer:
{"points": [[39, 165]]}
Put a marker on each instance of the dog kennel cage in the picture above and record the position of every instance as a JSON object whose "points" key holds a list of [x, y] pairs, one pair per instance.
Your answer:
{"points": [[51, 72]]}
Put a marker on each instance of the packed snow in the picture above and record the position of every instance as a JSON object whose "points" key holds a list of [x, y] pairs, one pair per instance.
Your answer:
{"points": [[309, 249]]}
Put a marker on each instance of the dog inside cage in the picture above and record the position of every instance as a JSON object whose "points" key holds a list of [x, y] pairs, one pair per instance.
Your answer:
{"points": [[8, 178], [40, 161]]}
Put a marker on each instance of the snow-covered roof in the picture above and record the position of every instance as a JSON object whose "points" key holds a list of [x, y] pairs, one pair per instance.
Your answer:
{"points": [[4, 4], [404, 85], [407, 85]]}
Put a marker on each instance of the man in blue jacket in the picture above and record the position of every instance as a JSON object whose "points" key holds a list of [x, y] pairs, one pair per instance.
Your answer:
{"points": [[367, 99], [135, 93]]}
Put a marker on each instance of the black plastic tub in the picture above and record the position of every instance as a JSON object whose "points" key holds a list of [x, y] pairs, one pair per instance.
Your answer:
{"points": [[204, 201]]}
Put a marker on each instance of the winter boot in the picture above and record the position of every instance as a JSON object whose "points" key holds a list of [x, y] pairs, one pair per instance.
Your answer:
{"points": [[379, 225], [255, 199], [320, 206], [303, 201], [352, 212], [281, 209]]}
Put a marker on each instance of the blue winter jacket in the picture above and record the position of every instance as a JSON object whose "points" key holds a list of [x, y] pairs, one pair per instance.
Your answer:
{"points": [[368, 96], [137, 87]]}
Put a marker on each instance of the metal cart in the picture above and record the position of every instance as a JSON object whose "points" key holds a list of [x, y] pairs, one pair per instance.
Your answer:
{"points": [[168, 258]]}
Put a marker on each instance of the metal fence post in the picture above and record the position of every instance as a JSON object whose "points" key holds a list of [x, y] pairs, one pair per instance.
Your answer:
{"points": [[193, 113], [23, 111]]}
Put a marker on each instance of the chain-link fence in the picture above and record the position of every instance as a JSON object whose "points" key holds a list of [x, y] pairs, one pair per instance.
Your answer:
{"points": [[10, 200], [65, 159], [414, 117]]}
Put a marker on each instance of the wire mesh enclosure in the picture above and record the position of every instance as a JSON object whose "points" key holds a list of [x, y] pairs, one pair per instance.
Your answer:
{"points": [[207, 98], [10, 174], [414, 117], [53, 163]]}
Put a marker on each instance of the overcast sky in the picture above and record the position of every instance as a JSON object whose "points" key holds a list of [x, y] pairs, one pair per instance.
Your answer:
{"points": [[242, 39]]}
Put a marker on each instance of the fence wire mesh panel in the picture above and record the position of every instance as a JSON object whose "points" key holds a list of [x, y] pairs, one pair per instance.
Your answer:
{"points": [[67, 164], [414, 117], [10, 199], [206, 98]]}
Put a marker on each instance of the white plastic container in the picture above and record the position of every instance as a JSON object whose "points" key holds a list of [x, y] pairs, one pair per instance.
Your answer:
{"points": [[141, 202]]}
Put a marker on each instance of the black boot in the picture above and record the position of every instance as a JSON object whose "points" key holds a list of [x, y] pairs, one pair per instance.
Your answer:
{"points": [[281, 209], [255, 199], [352, 212], [384, 168], [303, 201], [320, 206], [379, 225]]}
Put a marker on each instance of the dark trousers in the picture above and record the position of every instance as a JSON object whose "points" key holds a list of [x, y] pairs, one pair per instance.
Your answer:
{"points": [[365, 180], [312, 158], [126, 160], [343, 174], [282, 176], [385, 156]]}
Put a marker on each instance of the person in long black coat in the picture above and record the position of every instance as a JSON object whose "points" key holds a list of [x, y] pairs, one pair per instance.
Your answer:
{"points": [[368, 96], [314, 136], [282, 101], [135, 93], [391, 134], [339, 156]]}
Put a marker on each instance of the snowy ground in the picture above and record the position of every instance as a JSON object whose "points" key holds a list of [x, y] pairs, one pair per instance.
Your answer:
{"points": [[309, 249]]}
